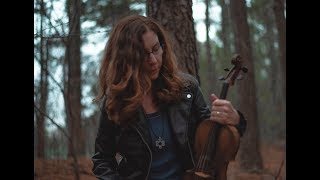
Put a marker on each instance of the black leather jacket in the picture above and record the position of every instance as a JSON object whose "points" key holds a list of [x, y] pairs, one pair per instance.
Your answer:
{"points": [[133, 143]]}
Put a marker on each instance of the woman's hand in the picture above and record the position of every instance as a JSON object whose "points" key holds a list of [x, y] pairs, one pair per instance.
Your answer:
{"points": [[223, 112]]}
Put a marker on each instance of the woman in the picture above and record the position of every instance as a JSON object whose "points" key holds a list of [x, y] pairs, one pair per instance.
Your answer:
{"points": [[150, 110]]}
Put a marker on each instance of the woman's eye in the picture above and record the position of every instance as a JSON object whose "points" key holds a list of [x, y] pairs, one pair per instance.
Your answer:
{"points": [[156, 48]]}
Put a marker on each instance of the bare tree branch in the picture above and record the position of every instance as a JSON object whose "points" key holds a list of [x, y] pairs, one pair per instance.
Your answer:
{"points": [[52, 121], [51, 76]]}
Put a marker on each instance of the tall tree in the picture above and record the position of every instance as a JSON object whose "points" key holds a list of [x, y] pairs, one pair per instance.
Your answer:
{"points": [[226, 36], [73, 56], [226, 29], [176, 17], [281, 29], [43, 88], [250, 156], [212, 80], [261, 14]]}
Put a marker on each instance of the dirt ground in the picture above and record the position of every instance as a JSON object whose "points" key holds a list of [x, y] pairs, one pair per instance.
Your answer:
{"points": [[273, 156]]}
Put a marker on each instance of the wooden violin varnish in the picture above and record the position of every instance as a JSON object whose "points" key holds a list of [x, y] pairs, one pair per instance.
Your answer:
{"points": [[216, 144]]}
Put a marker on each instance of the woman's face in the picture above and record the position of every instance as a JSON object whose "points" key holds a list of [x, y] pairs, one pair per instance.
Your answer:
{"points": [[153, 58]]}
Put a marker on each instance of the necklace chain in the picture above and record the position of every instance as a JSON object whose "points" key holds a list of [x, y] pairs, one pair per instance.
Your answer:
{"points": [[159, 142]]}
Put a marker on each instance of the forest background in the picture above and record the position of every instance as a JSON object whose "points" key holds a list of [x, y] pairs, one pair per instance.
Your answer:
{"points": [[69, 37]]}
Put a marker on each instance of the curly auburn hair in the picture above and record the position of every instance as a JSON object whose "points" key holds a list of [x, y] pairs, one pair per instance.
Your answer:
{"points": [[121, 77]]}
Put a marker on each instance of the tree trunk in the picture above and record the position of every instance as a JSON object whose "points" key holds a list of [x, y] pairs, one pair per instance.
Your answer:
{"points": [[74, 79], [43, 91], [176, 17], [271, 53], [250, 156], [281, 28], [227, 37], [212, 79], [226, 34], [118, 10]]}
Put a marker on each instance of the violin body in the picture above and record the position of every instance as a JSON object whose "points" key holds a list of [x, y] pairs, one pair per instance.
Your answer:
{"points": [[215, 144], [227, 145]]}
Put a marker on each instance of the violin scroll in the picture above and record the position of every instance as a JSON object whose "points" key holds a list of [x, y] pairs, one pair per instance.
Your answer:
{"points": [[233, 74]]}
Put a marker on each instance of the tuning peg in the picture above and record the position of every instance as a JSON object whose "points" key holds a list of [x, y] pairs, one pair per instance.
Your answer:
{"points": [[240, 77], [244, 69], [221, 78], [235, 58]]}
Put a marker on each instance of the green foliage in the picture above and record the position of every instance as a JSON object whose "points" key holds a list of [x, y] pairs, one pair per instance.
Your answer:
{"points": [[106, 12]]}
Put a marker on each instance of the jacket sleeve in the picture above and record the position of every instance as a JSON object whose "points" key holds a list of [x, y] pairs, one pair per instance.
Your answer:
{"points": [[242, 125], [104, 162]]}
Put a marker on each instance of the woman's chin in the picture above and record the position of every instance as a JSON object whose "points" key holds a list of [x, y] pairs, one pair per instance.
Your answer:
{"points": [[154, 75]]}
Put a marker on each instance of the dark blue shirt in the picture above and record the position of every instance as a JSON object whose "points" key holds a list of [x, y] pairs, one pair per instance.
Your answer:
{"points": [[165, 164]]}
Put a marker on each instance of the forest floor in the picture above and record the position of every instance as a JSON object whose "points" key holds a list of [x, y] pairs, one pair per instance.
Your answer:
{"points": [[272, 155]]}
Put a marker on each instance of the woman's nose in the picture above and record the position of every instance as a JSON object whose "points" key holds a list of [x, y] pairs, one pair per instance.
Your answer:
{"points": [[152, 58]]}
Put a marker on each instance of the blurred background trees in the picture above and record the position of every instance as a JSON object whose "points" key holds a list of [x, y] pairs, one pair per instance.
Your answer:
{"points": [[69, 37]]}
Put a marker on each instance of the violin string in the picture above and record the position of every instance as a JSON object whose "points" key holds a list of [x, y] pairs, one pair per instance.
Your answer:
{"points": [[201, 162], [208, 148], [201, 166], [207, 151], [214, 130]]}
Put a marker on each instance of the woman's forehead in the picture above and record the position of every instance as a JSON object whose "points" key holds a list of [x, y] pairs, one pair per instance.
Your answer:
{"points": [[150, 39]]}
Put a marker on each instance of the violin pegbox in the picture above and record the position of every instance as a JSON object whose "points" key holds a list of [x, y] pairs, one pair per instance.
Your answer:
{"points": [[234, 73]]}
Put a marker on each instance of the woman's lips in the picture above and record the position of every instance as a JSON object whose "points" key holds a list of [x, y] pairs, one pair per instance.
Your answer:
{"points": [[154, 71]]}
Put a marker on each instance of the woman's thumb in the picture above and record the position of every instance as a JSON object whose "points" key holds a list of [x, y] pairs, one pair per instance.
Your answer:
{"points": [[213, 97]]}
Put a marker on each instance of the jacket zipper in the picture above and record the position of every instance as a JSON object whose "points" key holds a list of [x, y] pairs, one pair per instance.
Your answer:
{"points": [[148, 149]]}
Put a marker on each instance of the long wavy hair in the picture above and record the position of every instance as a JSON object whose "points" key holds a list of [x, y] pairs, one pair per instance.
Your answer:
{"points": [[121, 77]]}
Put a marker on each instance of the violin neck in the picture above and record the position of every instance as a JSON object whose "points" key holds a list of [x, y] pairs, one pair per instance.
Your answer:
{"points": [[224, 91]]}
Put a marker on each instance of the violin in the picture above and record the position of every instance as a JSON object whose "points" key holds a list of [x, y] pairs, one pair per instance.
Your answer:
{"points": [[216, 144]]}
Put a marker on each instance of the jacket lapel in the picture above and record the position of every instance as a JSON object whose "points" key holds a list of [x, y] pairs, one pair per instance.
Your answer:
{"points": [[141, 125]]}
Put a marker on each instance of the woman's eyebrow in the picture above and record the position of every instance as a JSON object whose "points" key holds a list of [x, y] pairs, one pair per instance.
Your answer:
{"points": [[156, 45]]}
